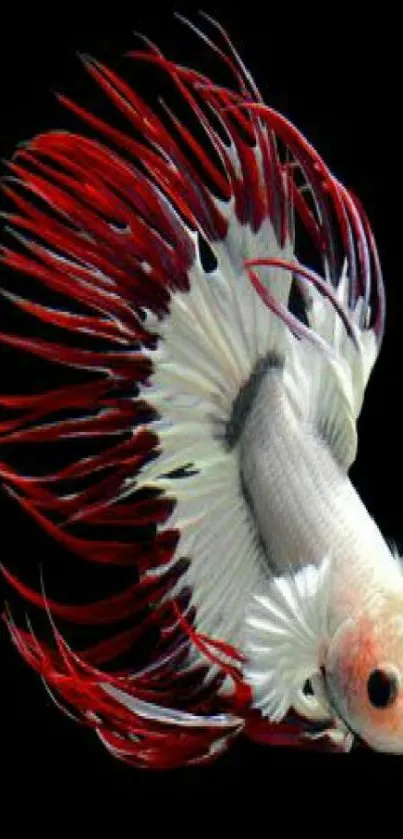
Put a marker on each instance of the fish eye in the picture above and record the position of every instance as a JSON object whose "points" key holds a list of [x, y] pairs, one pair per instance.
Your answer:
{"points": [[382, 688]]}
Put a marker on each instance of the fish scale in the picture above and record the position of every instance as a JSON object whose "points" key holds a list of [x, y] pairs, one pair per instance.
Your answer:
{"points": [[226, 426]]}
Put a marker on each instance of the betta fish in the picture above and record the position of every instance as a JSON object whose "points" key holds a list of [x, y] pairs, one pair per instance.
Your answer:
{"points": [[207, 423]]}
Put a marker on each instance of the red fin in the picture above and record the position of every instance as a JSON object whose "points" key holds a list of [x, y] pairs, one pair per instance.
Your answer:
{"points": [[109, 227]]}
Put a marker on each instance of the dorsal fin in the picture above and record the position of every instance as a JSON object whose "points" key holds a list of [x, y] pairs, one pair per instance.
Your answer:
{"points": [[112, 228]]}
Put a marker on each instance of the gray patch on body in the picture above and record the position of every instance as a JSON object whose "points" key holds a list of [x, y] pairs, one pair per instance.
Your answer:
{"points": [[243, 402], [251, 418], [261, 542]]}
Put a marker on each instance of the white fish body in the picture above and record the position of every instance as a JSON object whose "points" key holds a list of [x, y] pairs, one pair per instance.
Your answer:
{"points": [[244, 424]]}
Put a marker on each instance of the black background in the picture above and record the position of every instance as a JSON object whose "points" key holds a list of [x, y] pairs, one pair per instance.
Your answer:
{"points": [[337, 78]]}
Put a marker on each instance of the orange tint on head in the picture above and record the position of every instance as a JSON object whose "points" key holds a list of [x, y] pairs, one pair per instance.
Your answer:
{"points": [[373, 641]]}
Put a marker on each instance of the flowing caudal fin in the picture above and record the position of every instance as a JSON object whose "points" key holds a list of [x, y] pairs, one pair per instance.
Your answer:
{"points": [[115, 231]]}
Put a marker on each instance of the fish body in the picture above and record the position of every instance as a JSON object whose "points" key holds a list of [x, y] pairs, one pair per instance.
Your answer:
{"points": [[262, 596]]}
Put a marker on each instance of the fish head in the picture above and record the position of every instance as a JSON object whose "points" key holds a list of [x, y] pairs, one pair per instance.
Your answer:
{"points": [[363, 674]]}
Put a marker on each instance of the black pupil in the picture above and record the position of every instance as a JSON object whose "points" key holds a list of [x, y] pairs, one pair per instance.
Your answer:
{"points": [[382, 688]]}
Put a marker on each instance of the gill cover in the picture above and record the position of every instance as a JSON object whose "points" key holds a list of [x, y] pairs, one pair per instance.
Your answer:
{"points": [[108, 278]]}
